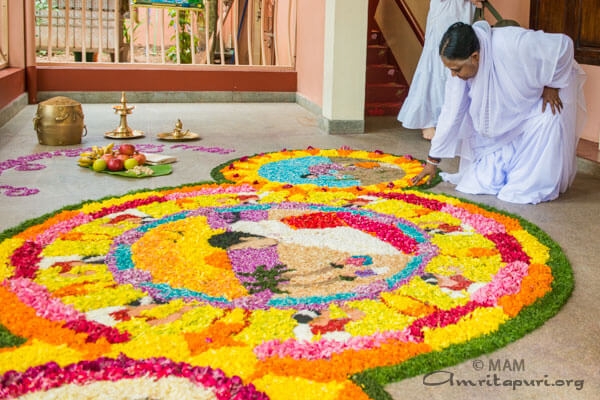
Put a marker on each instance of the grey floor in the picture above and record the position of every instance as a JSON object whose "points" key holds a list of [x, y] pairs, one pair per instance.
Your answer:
{"points": [[565, 348]]}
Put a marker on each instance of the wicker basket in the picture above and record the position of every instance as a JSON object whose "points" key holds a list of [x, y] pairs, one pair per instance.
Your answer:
{"points": [[59, 122]]}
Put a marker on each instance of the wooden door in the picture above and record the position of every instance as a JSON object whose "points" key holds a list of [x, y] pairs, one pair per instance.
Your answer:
{"points": [[578, 19]]}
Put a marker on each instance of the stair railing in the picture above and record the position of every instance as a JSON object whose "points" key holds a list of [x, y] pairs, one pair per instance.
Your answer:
{"points": [[412, 21]]}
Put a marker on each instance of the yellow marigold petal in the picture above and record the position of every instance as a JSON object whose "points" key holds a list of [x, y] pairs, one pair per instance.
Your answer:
{"points": [[173, 347], [480, 322], [238, 361], [278, 388], [37, 353], [7, 248]]}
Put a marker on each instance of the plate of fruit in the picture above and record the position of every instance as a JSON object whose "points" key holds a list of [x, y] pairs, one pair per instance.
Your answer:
{"points": [[123, 160]]}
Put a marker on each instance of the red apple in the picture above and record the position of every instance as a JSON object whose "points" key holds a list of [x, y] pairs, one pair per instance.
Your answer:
{"points": [[127, 148], [115, 164], [107, 156], [122, 156], [140, 157]]}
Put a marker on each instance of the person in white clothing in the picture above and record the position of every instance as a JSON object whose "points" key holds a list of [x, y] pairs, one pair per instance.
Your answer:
{"points": [[421, 108], [513, 112]]}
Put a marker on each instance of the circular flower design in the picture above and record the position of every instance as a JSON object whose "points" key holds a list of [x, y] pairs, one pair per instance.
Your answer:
{"points": [[330, 169], [315, 289], [269, 255]]}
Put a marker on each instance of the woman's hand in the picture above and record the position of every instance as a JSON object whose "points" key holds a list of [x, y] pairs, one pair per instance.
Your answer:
{"points": [[550, 96], [429, 171]]}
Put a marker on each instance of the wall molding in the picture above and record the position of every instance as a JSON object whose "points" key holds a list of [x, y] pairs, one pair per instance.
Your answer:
{"points": [[173, 97], [12, 109]]}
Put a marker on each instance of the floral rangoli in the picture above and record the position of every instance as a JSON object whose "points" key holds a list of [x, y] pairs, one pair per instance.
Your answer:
{"points": [[244, 290], [328, 169]]}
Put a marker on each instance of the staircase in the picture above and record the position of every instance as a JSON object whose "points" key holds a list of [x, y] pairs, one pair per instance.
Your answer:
{"points": [[386, 87]]}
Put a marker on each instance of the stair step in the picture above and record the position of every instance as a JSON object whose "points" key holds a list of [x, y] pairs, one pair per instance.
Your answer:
{"points": [[378, 54], [385, 92], [386, 87], [375, 37], [384, 73], [382, 109]]}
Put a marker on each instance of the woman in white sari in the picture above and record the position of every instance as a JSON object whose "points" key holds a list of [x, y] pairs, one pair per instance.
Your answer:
{"points": [[513, 112], [421, 108]]}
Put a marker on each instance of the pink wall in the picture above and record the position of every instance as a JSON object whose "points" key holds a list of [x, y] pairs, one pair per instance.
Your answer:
{"points": [[16, 27], [592, 97], [511, 9], [310, 47]]}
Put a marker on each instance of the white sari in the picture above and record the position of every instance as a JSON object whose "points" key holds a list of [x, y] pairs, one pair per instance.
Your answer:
{"points": [[494, 121], [423, 105]]}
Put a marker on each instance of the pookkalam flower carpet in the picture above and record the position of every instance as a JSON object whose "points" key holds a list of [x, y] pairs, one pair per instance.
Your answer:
{"points": [[299, 274]]}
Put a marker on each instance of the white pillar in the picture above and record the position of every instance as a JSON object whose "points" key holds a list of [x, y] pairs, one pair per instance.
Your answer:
{"points": [[344, 72]]}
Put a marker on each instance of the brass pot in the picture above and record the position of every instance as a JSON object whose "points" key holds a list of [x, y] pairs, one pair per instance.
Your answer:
{"points": [[59, 122]]}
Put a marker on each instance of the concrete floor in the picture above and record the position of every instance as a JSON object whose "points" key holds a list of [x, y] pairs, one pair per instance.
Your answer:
{"points": [[566, 347]]}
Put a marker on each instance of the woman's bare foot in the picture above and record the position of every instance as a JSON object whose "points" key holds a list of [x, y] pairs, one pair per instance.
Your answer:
{"points": [[428, 133]]}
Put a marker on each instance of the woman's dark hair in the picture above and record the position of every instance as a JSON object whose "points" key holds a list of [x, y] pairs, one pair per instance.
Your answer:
{"points": [[459, 42]]}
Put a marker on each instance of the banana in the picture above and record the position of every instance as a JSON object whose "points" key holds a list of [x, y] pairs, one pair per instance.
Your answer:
{"points": [[85, 161], [87, 158]]}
